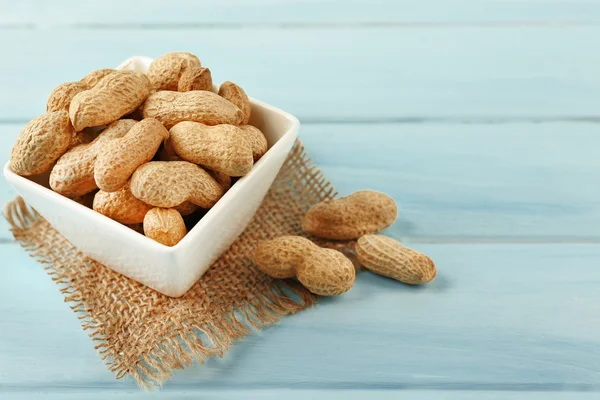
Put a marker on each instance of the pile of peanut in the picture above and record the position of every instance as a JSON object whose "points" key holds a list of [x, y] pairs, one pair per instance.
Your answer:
{"points": [[143, 148], [148, 149], [328, 272]]}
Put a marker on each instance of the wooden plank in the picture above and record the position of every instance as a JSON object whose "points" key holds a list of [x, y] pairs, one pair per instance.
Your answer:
{"points": [[362, 75], [500, 318], [150, 13], [470, 182]]}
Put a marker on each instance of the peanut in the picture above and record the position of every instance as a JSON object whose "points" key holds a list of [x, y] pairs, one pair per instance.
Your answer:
{"points": [[61, 96], [115, 95], [221, 148], [164, 225], [92, 79], [165, 72], [195, 79], [120, 157], [167, 184], [237, 96], [121, 206], [73, 174], [197, 105], [325, 272], [351, 217], [388, 257], [257, 140], [43, 140]]}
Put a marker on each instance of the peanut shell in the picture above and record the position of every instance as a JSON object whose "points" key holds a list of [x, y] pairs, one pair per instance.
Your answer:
{"points": [[165, 71], [61, 96], [363, 212], [167, 184], [279, 257], [43, 140], [388, 257], [195, 78], [73, 174], [116, 95], [197, 105], [120, 157], [256, 139], [164, 225], [121, 206], [325, 272], [92, 79], [220, 148], [237, 96]]}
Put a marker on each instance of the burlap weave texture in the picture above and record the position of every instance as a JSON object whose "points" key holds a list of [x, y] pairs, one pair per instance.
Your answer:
{"points": [[144, 334]]}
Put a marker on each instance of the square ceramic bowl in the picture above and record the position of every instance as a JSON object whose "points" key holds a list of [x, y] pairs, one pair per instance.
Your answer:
{"points": [[169, 270]]}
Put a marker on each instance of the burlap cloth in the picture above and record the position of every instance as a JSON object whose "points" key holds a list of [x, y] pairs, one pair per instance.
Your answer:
{"points": [[144, 334]]}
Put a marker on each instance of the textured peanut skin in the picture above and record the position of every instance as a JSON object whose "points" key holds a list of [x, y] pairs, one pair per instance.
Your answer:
{"points": [[165, 71], [324, 272], [220, 148], [43, 140], [167, 184], [280, 257], [351, 217], [237, 96], [166, 153], [61, 96], [92, 79], [116, 95], [164, 225], [121, 206], [73, 174], [256, 139], [388, 257], [197, 105], [327, 273], [195, 78], [120, 157]]}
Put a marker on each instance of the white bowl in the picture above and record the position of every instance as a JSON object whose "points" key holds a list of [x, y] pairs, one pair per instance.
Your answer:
{"points": [[169, 270]]}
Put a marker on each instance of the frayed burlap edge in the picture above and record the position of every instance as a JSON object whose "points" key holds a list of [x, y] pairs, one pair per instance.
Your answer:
{"points": [[212, 338], [199, 342]]}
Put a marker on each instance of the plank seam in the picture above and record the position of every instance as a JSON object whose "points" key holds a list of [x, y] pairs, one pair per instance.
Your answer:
{"points": [[301, 25]]}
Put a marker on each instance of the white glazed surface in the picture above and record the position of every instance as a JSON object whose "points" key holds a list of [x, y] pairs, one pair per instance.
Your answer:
{"points": [[169, 270]]}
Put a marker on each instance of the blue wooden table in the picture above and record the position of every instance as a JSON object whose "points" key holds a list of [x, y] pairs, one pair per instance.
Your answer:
{"points": [[480, 117]]}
